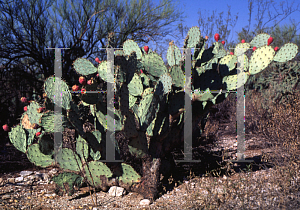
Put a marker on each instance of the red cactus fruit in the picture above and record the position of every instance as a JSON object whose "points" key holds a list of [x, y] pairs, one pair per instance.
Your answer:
{"points": [[231, 53], [24, 100], [270, 40], [90, 82], [38, 133], [97, 75], [82, 80], [223, 42], [254, 48], [142, 71], [97, 60], [5, 127], [206, 37], [217, 37], [146, 48], [83, 91], [25, 108], [75, 87], [276, 49], [243, 41]]}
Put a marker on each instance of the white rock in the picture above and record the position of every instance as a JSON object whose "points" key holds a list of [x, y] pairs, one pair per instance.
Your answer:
{"points": [[53, 171], [145, 202], [116, 191], [19, 179], [26, 173]]}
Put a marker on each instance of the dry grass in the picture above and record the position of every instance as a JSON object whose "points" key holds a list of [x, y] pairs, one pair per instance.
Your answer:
{"points": [[259, 188]]}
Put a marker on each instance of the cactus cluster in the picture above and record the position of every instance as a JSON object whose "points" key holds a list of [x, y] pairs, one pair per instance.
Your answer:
{"points": [[149, 96]]}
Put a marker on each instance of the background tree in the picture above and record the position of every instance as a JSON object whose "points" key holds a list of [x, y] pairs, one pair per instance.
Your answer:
{"points": [[29, 27]]}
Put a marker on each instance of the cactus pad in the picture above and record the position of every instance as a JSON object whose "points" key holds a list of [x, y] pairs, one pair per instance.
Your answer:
{"points": [[63, 95], [173, 55], [235, 81], [194, 36], [129, 176], [17, 137], [130, 46], [37, 157], [135, 87], [260, 59], [97, 174], [286, 52], [84, 67], [67, 159], [164, 85], [260, 40]]}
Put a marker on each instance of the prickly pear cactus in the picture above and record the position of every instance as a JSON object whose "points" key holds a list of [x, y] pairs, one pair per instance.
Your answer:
{"points": [[148, 109]]}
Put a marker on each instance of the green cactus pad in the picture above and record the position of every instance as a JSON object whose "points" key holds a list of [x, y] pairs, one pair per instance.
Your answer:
{"points": [[177, 76], [164, 85], [32, 112], [46, 145], [202, 95], [145, 110], [84, 67], [218, 50], [97, 174], [35, 156], [82, 148], [50, 122], [102, 71], [193, 37], [135, 87], [145, 79], [173, 55], [119, 53], [68, 178], [235, 81], [63, 95], [241, 48], [97, 154], [227, 64], [129, 176], [147, 91], [130, 46], [138, 145], [67, 159], [129, 126], [260, 40], [116, 121], [154, 65], [287, 52], [260, 59], [17, 137]]}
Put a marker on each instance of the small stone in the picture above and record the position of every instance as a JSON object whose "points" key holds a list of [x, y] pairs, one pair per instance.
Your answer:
{"points": [[1, 180], [11, 180], [116, 191], [26, 173], [4, 197], [53, 171], [145, 202], [19, 179]]}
